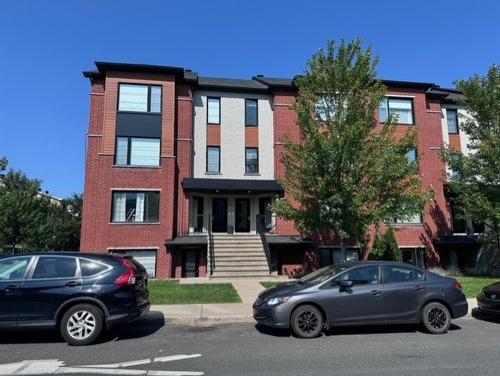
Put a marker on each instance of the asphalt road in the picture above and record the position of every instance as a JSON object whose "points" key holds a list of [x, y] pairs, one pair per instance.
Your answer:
{"points": [[472, 347]]}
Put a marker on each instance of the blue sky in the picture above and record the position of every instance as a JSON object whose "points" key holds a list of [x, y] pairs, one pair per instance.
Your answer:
{"points": [[44, 101]]}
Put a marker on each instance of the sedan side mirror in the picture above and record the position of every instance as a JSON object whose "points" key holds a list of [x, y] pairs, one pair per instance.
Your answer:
{"points": [[345, 285]]}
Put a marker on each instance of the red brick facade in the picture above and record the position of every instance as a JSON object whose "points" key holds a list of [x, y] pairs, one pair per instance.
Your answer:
{"points": [[99, 234]]}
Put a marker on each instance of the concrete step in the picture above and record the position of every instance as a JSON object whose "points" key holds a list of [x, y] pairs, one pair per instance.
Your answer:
{"points": [[237, 242], [239, 274], [232, 262], [238, 245], [244, 268], [218, 236], [239, 254]]}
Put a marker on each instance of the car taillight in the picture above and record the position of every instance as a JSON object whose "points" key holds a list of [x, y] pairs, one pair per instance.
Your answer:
{"points": [[458, 285], [127, 278]]}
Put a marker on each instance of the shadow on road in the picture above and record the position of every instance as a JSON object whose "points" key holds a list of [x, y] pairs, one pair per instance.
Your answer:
{"points": [[144, 327], [350, 330], [477, 314]]}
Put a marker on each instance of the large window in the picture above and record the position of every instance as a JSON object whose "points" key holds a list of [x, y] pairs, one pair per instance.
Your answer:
{"points": [[401, 108], [139, 98], [135, 151], [251, 110], [452, 119], [332, 256], [136, 206], [213, 110], [414, 219], [411, 156], [213, 159], [251, 160]]}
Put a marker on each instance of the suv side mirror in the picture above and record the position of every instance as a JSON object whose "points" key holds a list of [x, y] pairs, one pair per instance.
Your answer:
{"points": [[345, 285]]}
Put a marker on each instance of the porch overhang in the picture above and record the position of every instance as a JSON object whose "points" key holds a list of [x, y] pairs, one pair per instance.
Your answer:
{"points": [[453, 240], [231, 186], [287, 240], [187, 241]]}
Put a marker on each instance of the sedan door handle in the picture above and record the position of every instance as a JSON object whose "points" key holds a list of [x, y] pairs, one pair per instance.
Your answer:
{"points": [[73, 283], [376, 292], [420, 288], [12, 287]]}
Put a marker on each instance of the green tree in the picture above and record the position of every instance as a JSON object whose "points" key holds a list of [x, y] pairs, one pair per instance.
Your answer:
{"points": [[3, 164], [64, 223], [385, 247], [22, 210], [476, 177], [342, 176]]}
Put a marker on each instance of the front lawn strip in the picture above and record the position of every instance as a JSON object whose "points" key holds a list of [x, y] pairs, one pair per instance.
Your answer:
{"points": [[171, 292]]}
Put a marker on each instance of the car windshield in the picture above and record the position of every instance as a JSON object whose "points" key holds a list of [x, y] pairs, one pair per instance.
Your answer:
{"points": [[321, 275]]}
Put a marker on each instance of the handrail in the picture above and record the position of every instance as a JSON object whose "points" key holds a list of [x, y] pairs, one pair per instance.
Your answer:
{"points": [[210, 250], [259, 225]]}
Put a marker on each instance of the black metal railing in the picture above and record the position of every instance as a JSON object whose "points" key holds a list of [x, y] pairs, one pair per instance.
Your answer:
{"points": [[260, 224], [210, 246]]}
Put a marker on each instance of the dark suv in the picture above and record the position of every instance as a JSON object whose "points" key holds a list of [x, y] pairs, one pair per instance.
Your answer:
{"points": [[80, 293]]}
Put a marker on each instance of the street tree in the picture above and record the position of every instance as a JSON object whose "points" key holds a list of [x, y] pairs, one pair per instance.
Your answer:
{"points": [[343, 175], [475, 181]]}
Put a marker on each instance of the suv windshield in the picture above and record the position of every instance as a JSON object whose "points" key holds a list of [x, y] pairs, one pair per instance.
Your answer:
{"points": [[321, 275]]}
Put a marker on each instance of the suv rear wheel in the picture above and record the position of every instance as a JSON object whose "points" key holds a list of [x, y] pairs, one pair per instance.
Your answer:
{"points": [[306, 321], [436, 318], [81, 325]]}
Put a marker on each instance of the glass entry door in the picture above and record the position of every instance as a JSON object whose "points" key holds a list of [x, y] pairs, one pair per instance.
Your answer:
{"points": [[242, 215], [219, 215]]}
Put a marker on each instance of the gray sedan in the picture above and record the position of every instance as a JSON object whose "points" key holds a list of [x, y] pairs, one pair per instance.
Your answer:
{"points": [[362, 293]]}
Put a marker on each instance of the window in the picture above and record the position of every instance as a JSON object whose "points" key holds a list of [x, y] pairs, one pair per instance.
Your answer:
{"points": [[414, 219], [332, 256], [452, 119], [213, 159], [251, 160], [326, 106], [136, 206], [49, 267], [251, 117], [139, 98], [135, 151], [411, 155], [14, 268], [90, 268], [399, 107], [400, 274], [213, 110], [366, 275]]}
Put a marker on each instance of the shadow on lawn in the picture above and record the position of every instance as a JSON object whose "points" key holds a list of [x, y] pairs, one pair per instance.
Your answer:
{"points": [[353, 330]]}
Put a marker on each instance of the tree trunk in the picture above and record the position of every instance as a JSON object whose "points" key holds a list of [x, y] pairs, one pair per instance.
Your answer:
{"points": [[343, 257]]}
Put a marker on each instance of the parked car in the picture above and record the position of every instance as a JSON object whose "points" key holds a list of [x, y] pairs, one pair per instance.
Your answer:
{"points": [[362, 293], [80, 294], [488, 300]]}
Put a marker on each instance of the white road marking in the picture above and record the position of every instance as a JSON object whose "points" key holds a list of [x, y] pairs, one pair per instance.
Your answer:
{"points": [[55, 366], [119, 365], [171, 358]]}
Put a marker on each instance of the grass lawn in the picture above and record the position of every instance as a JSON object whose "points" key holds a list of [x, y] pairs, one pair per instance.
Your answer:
{"points": [[473, 285], [171, 292]]}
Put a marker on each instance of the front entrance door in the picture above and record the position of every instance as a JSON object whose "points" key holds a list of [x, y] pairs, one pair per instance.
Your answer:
{"points": [[242, 223], [219, 214]]}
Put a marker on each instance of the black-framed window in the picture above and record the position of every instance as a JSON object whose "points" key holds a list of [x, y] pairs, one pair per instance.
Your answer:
{"points": [[136, 207], [365, 275], [213, 110], [333, 256], [401, 274], [401, 108], [139, 98], [136, 151], [251, 112], [49, 267], [213, 158], [452, 120], [251, 160], [412, 220]]}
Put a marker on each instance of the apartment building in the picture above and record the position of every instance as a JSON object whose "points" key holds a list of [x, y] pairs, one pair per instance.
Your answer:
{"points": [[182, 171]]}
